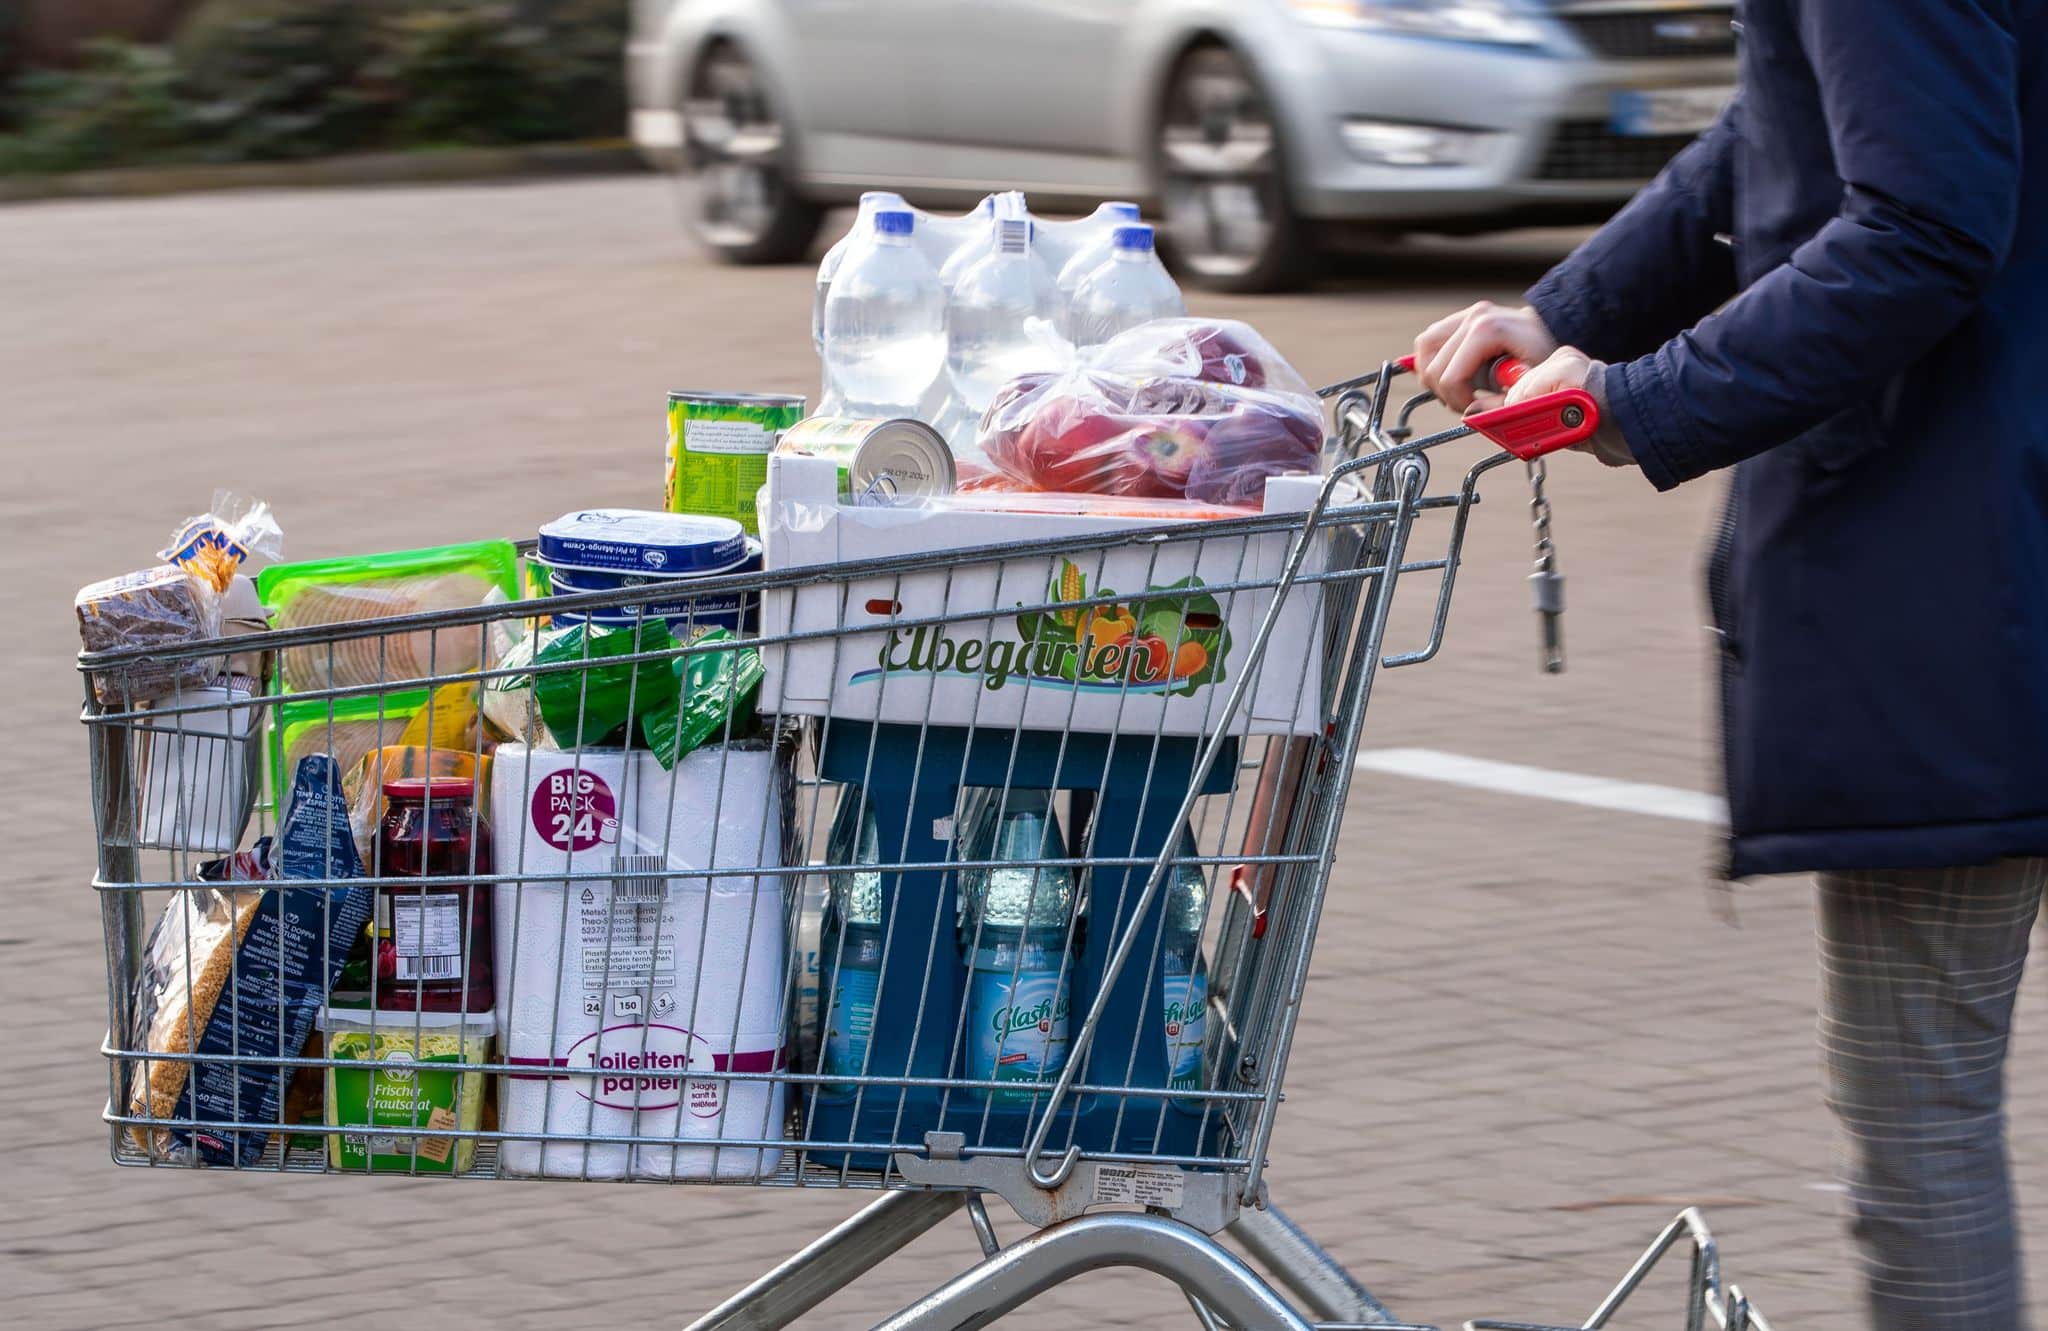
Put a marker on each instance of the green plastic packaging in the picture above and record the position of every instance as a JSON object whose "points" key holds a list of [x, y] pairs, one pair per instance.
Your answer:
{"points": [[349, 594], [679, 703], [719, 691], [589, 706], [348, 728]]}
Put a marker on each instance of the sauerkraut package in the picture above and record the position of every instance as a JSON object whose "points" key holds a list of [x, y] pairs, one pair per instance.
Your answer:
{"points": [[1202, 409]]}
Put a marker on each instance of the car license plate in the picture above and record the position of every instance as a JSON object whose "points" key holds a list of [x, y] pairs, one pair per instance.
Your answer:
{"points": [[1668, 110]]}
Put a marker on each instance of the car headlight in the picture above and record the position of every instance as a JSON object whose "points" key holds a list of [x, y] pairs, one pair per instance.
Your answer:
{"points": [[1496, 21]]}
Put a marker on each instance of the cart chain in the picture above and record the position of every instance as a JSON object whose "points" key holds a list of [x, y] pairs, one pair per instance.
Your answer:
{"points": [[1546, 584]]}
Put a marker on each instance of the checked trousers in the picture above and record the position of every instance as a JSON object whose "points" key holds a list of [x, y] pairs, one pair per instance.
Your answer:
{"points": [[1919, 973]]}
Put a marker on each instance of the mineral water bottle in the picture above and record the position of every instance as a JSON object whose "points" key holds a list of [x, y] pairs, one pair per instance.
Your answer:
{"points": [[1097, 236], [885, 322], [987, 344], [1013, 940], [852, 938], [1130, 288], [863, 226], [941, 238], [1184, 974], [960, 426], [982, 238]]}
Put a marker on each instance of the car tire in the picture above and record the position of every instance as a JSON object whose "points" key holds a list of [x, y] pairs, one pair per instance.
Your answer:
{"points": [[1220, 167], [747, 209]]}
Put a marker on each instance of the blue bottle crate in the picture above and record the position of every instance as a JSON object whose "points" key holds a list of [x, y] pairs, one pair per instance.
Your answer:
{"points": [[913, 776]]}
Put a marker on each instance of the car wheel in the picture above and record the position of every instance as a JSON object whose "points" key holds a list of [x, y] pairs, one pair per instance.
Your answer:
{"points": [[747, 207], [1222, 178]]}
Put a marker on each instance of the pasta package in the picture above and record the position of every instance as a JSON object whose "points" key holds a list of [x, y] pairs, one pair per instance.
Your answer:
{"points": [[242, 972], [213, 547], [362, 590]]}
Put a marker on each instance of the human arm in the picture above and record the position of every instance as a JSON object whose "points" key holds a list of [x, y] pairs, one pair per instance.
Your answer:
{"points": [[1922, 110]]}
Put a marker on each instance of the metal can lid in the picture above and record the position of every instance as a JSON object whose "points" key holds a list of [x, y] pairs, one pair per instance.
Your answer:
{"points": [[714, 398], [430, 787], [903, 458], [640, 541]]}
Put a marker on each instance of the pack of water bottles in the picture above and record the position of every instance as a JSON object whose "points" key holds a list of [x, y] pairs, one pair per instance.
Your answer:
{"points": [[1021, 932], [928, 317]]}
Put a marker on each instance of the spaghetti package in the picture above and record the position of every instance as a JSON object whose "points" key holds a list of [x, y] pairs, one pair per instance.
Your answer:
{"points": [[241, 970], [1201, 409]]}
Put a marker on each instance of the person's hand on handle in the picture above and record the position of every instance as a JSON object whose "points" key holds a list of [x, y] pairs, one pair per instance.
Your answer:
{"points": [[1453, 353], [1568, 367]]}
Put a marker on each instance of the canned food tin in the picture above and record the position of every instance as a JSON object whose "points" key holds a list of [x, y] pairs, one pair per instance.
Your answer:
{"points": [[878, 458], [632, 540], [718, 446]]}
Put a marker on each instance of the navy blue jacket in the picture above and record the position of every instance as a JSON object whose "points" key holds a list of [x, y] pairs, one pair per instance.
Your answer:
{"points": [[1841, 290]]}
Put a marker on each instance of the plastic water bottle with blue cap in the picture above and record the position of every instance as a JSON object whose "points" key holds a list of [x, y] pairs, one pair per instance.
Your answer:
{"points": [[1089, 241], [988, 342], [859, 233], [885, 322], [1131, 287]]}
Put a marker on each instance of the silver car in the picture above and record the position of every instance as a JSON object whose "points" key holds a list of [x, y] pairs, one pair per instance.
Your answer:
{"points": [[1255, 128]]}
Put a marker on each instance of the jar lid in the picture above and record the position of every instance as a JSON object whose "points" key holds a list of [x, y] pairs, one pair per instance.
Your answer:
{"points": [[630, 540], [430, 787]]}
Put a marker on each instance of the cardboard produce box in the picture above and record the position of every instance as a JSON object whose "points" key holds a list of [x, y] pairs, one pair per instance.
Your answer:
{"points": [[1161, 631]]}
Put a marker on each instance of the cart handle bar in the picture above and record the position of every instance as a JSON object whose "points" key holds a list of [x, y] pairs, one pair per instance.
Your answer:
{"points": [[1530, 429]]}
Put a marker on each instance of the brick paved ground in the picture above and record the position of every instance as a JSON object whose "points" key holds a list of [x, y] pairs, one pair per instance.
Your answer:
{"points": [[1529, 1037]]}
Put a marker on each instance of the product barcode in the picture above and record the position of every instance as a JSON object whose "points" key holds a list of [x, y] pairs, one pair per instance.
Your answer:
{"points": [[637, 890], [429, 968]]}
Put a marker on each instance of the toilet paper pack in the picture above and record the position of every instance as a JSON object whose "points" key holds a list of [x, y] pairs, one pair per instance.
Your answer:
{"points": [[622, 987]]}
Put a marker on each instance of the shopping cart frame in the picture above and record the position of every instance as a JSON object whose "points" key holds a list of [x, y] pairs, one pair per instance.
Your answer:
{"points": [[1377, 487]]}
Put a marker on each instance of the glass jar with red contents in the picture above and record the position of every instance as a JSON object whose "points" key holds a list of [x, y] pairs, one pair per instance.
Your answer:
{"points": [[433, 939]]}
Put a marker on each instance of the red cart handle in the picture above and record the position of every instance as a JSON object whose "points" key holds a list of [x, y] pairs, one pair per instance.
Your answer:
{"points": [[1529, 430]]}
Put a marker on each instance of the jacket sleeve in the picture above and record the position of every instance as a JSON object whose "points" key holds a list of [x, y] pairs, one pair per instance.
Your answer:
{"points": [[1657, 267], [1922, 107]]}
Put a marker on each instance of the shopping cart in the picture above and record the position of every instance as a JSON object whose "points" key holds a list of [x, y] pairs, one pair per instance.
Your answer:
{"points": [[1006, 883]]}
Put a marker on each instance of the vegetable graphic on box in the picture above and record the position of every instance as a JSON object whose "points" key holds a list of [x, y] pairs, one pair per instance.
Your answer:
{"points": [[1173, 640]]}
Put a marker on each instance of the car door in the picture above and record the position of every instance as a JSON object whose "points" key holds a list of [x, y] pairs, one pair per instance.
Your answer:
{"points": [[853, 85], [1035, 75]]}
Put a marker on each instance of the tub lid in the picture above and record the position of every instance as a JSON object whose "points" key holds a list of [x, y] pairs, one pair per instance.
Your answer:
{"points": [[632, 540], [359, 1018]]}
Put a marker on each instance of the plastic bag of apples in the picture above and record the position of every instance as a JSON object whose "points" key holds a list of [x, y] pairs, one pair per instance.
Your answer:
{"points": [[1202, 409]]}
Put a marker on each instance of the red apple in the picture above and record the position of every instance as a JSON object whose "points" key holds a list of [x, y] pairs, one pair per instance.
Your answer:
{"points": [[1170, 446], [1175, 396], [1073, 446], [1255, 441], [1228, 352]]}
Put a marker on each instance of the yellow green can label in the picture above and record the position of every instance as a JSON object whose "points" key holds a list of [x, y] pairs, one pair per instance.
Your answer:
{"points": [[718, 447]]}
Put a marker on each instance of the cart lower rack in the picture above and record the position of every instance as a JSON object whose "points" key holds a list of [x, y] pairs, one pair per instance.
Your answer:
{"points": [[943, 873]]}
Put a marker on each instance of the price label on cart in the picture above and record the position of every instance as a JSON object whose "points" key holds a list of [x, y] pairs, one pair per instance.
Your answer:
{"points": [[1146, 1185]]}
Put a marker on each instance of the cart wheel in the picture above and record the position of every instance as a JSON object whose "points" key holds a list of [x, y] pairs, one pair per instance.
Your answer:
{"points": [[747, 208], [1222, 174]]}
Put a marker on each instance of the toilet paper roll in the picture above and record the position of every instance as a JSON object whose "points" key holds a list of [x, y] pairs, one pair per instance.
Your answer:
{"points": [[619, 989]]}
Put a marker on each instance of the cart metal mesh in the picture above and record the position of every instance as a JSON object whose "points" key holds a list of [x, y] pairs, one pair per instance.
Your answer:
{"points": [[1007, 880]]}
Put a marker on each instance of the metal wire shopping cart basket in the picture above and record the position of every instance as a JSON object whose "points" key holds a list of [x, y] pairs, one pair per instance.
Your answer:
{"points": [[997, 870]]}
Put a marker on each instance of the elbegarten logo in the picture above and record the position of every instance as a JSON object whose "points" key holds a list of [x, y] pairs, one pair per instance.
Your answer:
{"points": [[1172, 641]]}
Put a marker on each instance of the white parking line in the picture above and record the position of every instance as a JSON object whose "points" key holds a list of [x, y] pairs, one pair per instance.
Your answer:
{"points": [[1595, 792]]}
